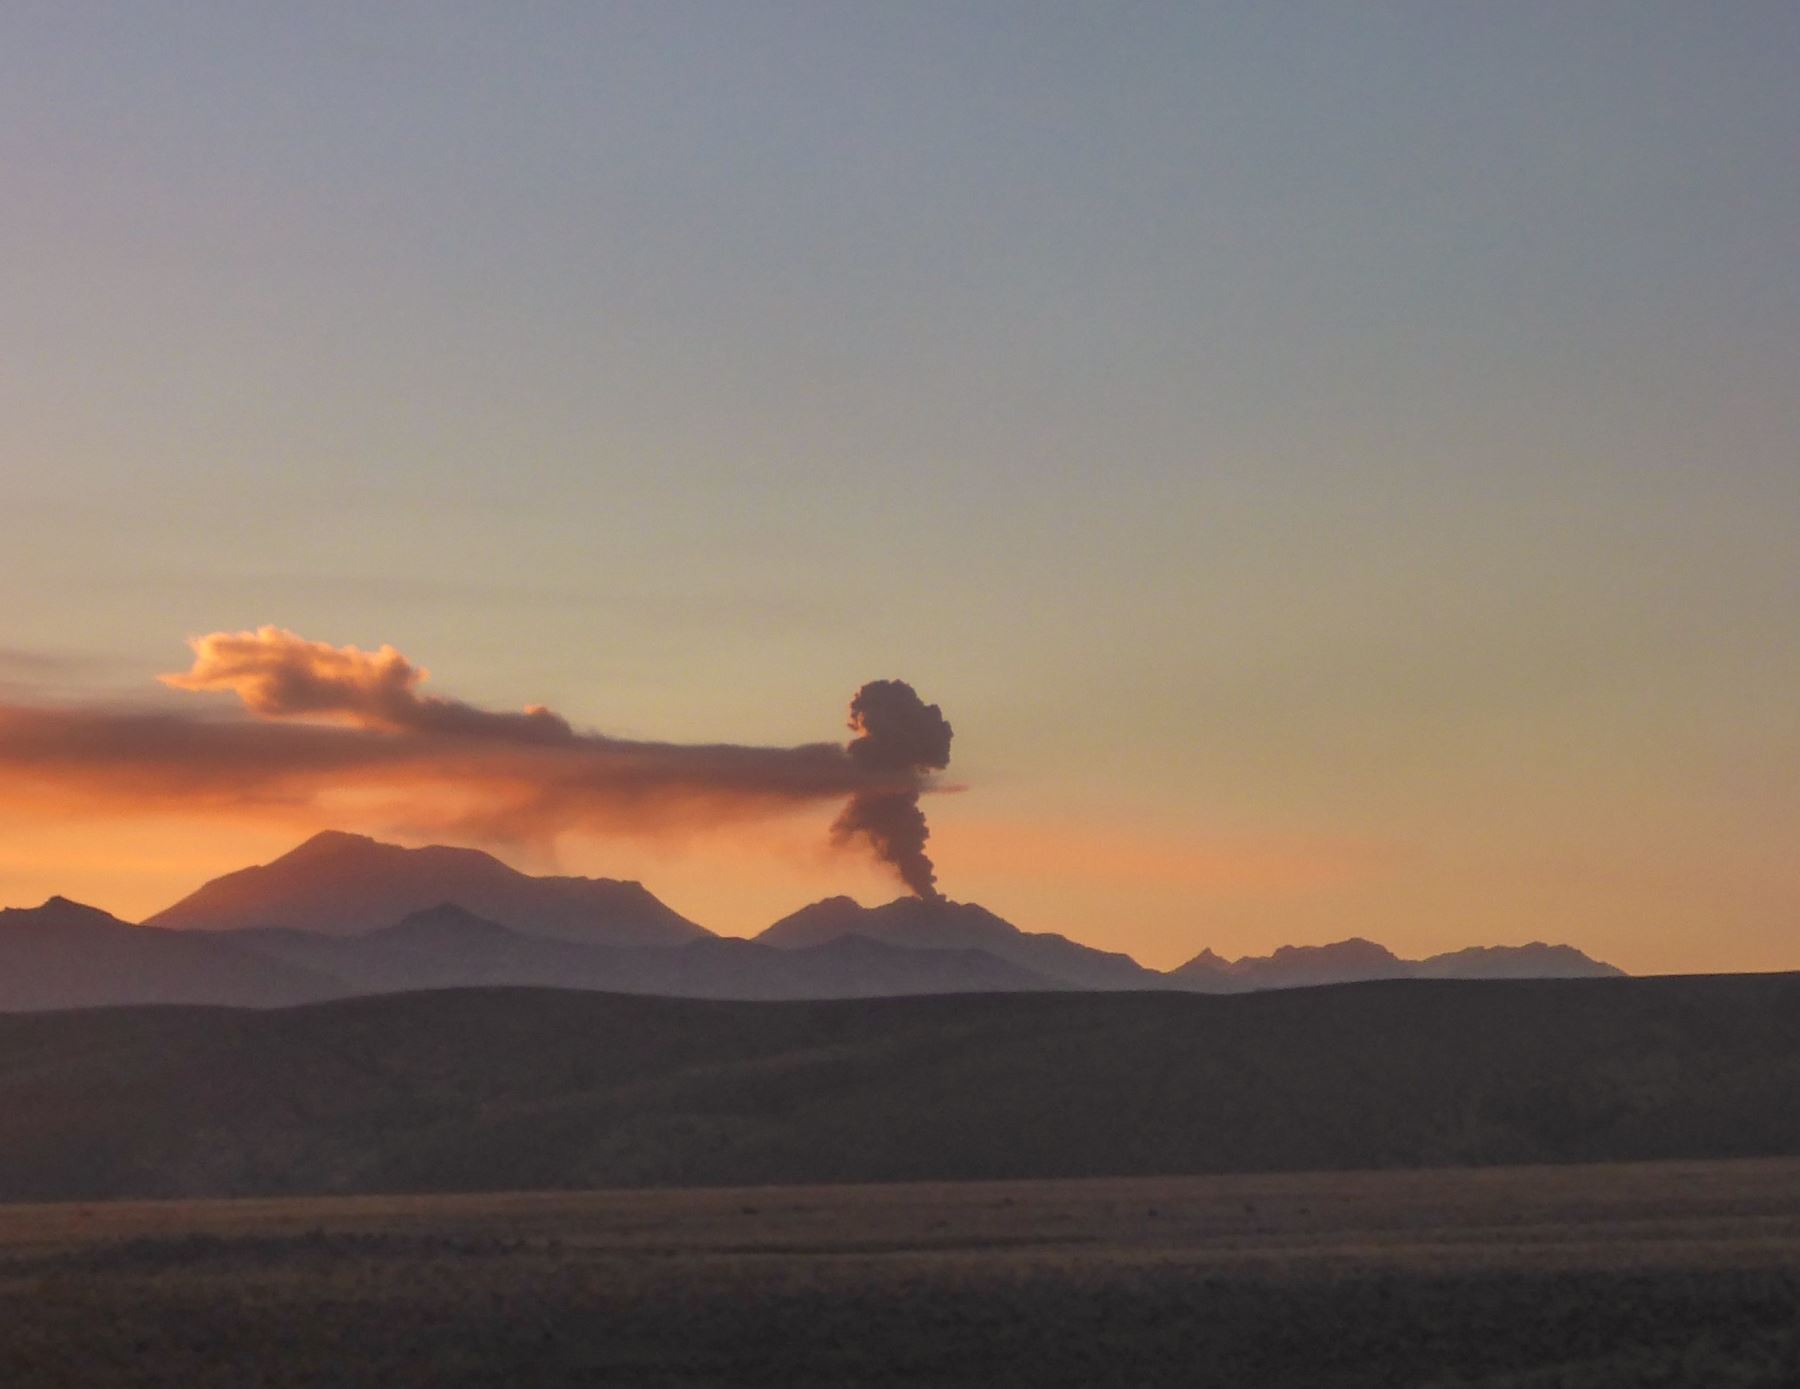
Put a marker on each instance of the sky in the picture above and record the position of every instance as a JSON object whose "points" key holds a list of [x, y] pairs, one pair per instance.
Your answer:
{"points": [[1337, 468]]}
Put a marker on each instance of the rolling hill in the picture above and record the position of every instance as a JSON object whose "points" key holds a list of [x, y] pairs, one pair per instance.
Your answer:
{"points": [[533, 1089]]}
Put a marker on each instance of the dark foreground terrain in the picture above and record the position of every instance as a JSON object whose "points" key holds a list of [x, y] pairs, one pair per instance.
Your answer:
{"points": [[1657, 1274], [513, 1090]]}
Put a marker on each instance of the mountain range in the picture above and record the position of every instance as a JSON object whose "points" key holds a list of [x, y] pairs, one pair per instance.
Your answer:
{"points": [[66, 955], [345, 915], [1357, 960]]}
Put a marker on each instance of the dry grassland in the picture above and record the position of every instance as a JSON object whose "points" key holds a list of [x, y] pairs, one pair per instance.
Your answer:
{"points": [[1677, 1273]]}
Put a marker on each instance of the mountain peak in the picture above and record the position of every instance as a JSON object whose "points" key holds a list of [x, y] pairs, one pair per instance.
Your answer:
{"points": [[1208, 961], [350, 884], [331, 841], [445, 912], [341, 848], [1534, 961], [443, 924], [1353, 948], [916, 923], [59, 911]]}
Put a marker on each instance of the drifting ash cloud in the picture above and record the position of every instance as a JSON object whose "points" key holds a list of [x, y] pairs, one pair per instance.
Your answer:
{"points": [[339, 733]]}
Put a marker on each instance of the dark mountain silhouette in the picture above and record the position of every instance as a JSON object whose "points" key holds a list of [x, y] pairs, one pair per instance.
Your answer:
{"points": [[348, 884], [533, 1089], [65, 955], [344, 914], [446, 947], [1356, 960], [914, 923], [1534, 961], [445, 929], [1293, 966]]}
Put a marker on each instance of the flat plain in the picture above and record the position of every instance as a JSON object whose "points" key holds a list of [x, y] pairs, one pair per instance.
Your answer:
{"points": [[1654, 1273]]}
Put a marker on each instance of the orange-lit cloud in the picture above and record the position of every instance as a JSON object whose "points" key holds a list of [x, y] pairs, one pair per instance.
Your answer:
{"points": [[343, 736], [279, 675]]}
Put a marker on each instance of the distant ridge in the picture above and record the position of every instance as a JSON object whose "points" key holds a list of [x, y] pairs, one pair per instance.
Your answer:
{"points": [[447, 947], [1357, 960], [348, 884], [912, 923], [1534, 961], [66, 955]]}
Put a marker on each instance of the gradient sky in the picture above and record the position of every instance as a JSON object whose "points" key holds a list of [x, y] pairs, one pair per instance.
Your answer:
{"points": [[1337, 467]]}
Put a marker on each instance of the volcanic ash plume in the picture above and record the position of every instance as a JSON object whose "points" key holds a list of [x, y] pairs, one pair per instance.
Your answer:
{"points": [[898, 735], [337, 735]]}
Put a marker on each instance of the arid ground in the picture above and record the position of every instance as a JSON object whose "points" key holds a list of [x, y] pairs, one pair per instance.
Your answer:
{"points": [[498, 1090], [1670, 1273]]}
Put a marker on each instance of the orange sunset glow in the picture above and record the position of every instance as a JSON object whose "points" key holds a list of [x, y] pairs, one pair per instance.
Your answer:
{"points": [[742, 693], [1309, 531]]}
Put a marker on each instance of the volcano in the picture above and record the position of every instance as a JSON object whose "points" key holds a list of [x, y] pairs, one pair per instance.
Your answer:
{"points": [[349, 884]]}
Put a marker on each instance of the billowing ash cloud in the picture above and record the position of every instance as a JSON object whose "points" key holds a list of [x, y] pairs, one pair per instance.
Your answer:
{"points": [[897, 734], [344, 736]]}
